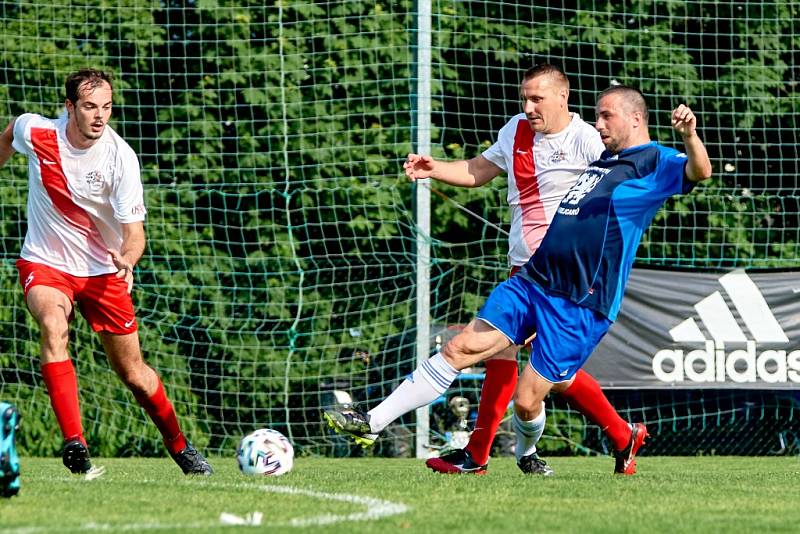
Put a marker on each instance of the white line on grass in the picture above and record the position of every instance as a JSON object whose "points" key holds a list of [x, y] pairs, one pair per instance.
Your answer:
{"points": [[375, 509]]}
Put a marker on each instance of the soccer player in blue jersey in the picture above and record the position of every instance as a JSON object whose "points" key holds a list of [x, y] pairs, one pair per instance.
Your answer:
{"points": [[571, 289]]}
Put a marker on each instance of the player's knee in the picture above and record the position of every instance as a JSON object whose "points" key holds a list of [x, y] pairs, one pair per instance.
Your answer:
{"points": [[134, 378], [129, 378], [527, 407], [525, 412], [54, 330]]}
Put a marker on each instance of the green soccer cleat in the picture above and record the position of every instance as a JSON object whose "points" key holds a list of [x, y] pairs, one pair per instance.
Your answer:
{"points": [[352, 422]]}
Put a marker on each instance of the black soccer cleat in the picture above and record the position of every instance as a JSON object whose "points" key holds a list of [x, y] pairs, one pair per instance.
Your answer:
{"points": [[192, 462], [76, 457], [458, 461], [353, 422], [533, 465]]}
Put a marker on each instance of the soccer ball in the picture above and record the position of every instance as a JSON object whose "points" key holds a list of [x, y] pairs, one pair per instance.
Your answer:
{"points": [[265, 452]]}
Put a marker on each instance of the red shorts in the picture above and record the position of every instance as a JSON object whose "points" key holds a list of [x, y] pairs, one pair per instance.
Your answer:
{"points": [[103, 300]]}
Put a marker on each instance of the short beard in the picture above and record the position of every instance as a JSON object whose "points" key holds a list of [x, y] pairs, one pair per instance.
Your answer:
{"points": [[92, 135]]}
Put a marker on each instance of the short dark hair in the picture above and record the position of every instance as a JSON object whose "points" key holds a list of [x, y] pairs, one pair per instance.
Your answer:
{"points": [[93, 77], [547, 69], [634, 99]]}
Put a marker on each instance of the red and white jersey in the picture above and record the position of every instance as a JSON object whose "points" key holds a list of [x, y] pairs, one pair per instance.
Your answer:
{"points": [[541, 169], [77, 199]]}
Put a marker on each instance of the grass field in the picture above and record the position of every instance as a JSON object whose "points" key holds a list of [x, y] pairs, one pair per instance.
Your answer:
{"points": [[699, 494]]}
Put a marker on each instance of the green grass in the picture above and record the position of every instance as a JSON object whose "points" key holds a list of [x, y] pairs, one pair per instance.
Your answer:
{"points": [[701, 494]]}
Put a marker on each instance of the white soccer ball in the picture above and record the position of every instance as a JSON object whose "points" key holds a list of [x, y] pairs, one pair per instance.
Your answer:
{"points": [[265, 452]]}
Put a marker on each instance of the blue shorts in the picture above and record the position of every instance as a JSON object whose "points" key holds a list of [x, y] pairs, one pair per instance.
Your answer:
{"points": [[566, 334]]}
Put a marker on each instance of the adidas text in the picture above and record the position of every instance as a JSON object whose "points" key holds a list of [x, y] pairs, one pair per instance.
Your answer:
{"points": [[713, 364]]}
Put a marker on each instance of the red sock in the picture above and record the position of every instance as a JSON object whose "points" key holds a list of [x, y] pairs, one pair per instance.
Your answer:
{"points": [[585, 395], [62, 387], [498, 388], [163, 415]]}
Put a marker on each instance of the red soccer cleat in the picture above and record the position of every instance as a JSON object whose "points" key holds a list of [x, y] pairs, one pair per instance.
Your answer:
{"points": [[458, 462], [626, 458]]}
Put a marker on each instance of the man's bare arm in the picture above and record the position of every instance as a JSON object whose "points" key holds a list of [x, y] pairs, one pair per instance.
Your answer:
{"points": [[125, 259], [6, 140], [474, 172], [698, 166]]}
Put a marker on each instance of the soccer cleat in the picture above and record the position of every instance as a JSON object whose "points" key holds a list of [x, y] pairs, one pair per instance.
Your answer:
{"points": [[192, 462], [9, 460], [626, 458], [458, 461], [533, 465], [76, 456], [351, 421]]}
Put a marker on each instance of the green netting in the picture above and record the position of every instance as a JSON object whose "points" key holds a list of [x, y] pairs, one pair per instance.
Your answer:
{"points": [[280, 268]]}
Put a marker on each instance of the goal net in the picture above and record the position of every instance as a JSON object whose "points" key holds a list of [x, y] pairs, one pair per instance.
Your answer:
{"points": [[280, 272]]}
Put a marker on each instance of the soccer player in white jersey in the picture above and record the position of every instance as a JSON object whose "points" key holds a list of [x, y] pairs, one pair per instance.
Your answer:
{"points": [[85, 235], [543, 151]]}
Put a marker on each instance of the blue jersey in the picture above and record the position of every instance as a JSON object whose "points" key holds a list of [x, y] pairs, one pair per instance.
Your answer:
{"points": [[587, 253]]}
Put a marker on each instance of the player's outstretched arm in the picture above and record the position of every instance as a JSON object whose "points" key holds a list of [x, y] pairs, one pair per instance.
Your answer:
{"points": [[463, 173], [6, 140], [698, 166]]}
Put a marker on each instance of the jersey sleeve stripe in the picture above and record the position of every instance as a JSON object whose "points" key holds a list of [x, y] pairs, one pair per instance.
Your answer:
{"points": [[45, 144]]}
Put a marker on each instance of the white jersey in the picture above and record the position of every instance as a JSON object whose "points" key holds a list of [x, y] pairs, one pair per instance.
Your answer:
{"points": [[77, 199], [541, 168]]}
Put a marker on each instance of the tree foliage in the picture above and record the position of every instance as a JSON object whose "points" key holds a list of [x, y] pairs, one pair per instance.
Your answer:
{"points": [[281, 238]]}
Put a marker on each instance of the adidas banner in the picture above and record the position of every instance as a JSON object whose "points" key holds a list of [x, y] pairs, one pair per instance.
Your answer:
{"points": [[682, 329]]}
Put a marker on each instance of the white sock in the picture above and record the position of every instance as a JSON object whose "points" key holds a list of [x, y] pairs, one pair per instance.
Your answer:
{"points": [[528, 433], [426, 384]]}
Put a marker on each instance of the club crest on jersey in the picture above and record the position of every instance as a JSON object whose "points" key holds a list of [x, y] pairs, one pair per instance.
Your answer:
{"points": [[95, 180], [558, 156], [587, 181]]}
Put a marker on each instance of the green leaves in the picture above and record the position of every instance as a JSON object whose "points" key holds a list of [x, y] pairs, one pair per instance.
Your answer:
{"points": [[272, 137]]}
